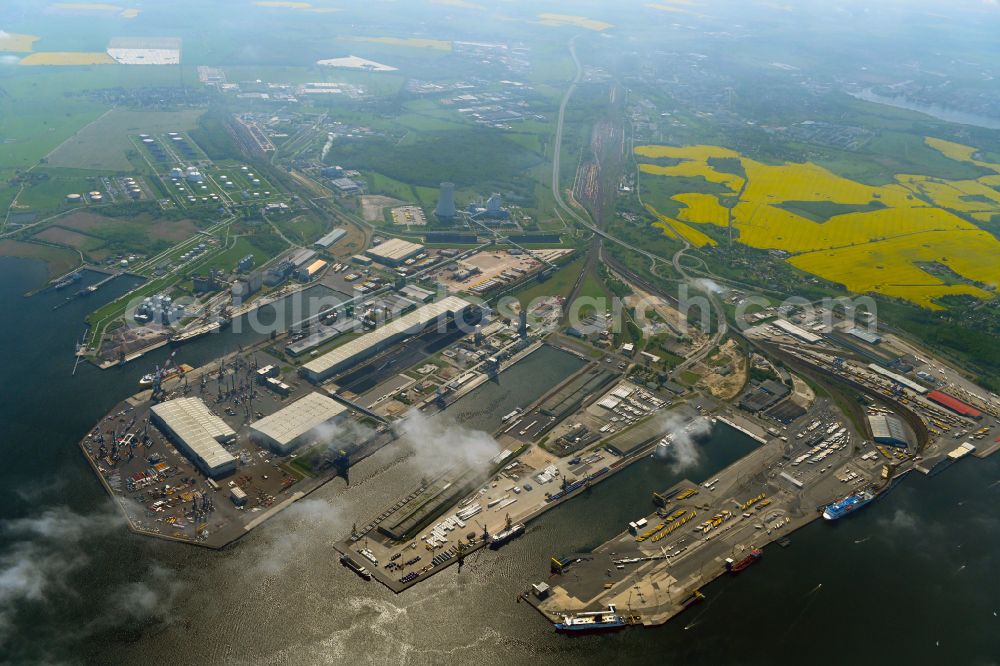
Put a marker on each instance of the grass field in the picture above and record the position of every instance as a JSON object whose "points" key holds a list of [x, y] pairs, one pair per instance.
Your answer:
{"points": [[227, 259], [46, 189], [866, 237], [559, 283], [58, 261], [99, 236]]}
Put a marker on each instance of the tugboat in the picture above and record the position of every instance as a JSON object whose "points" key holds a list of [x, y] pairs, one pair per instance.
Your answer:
{"points": [[606, 620], [736, 566]]}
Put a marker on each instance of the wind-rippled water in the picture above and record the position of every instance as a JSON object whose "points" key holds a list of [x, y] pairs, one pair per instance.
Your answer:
{"points": [[912, 579]]}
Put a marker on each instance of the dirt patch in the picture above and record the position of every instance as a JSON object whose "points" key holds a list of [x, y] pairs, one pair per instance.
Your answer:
{"points": [[58, 261], [802, 393], [351, 244], [68, 237], [727, 371], [373, 204]]}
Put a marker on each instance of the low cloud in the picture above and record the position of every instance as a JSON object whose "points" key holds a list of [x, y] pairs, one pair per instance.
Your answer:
{"points": [[439, 444], [48, 560], [901, 520], [306, 524], [682, 450]]}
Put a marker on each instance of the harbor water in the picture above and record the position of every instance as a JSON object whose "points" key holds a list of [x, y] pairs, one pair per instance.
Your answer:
{"points": [[909, 579]]}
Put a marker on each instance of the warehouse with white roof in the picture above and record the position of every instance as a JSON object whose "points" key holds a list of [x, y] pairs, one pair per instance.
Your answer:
{"points": [[346, 355], [198, 433], [394, 251], [297, 424]]}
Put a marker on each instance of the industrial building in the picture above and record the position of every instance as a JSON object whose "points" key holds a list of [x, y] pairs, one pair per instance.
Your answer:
{"points": [[321, 335], [796, 331], [346, 185], [573, 393], [898, 378], [954, 404], [866, 336], [297, 424], [307, 273], [417, 294], [198, 433], [888, 429], [331, 238], [301, 257], [346, 355], [763, 395], [394, 251]]}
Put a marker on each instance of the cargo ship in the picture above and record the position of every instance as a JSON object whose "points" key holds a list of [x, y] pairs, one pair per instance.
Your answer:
{"points": [[736, 566], [606, 620], [192, 334], [508, 417], [170, 373], [72, 279], [506, 534], [848, 505], [355, 567]]}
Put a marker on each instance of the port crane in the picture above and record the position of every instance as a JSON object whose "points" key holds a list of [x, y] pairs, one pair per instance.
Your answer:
{"points": [[158, 373]]}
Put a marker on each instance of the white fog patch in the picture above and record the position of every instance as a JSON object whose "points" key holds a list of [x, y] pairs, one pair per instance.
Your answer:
{"points": [[682, 450], [308, 523], [43, 554], [43, 557], [710, 286], [143, 600], [901, 520], [439, 444]]}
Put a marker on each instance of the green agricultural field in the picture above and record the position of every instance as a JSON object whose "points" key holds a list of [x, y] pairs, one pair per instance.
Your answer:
{"points": [[31, 130], [104, 144], [227, 259], [46, 188], [301, 229]]}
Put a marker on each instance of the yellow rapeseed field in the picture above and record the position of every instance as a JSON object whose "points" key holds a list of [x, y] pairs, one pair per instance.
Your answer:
{"points": [[702, 209], [669, 225], [67, 58], [578, 21], [917, 220], [958, 152], [303, 6], [415, 42], [10, 41], [889, 266]]}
